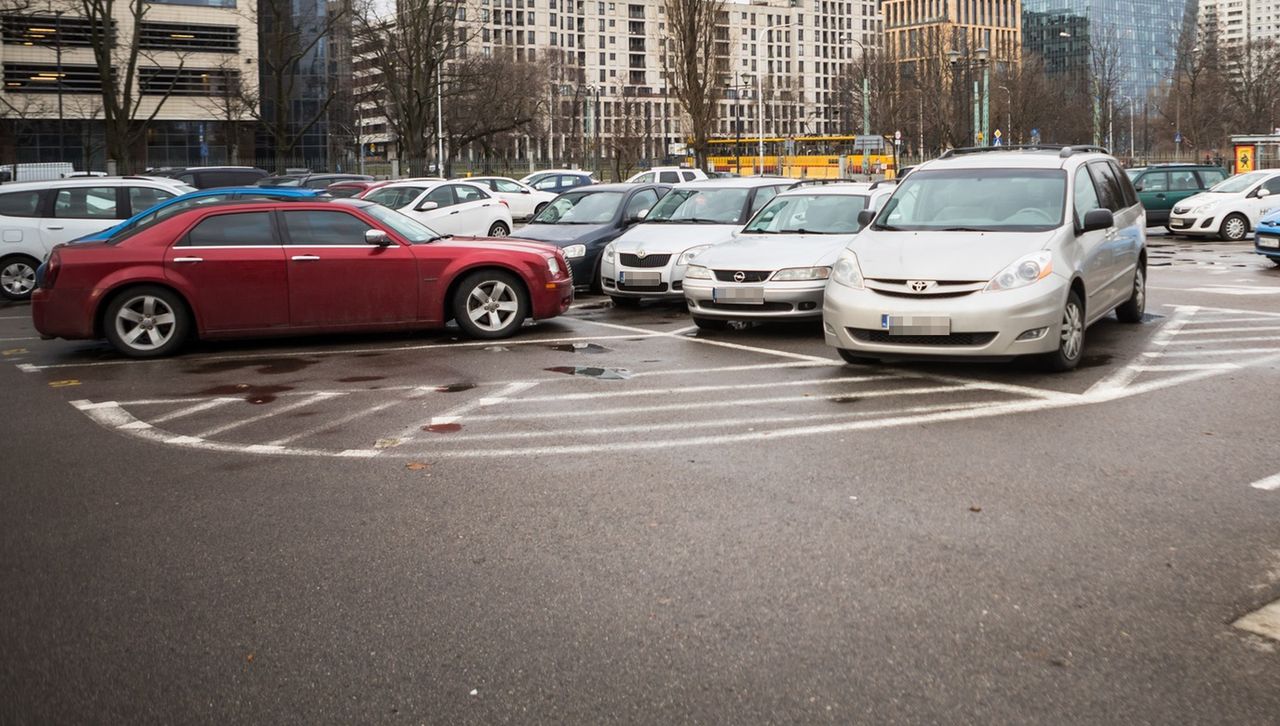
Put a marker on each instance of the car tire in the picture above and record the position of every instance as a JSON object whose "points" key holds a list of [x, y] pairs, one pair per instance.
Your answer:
{"points": [[625, 302], [1275, 261], [499, 229], [538, 209], [710, 323], [856, 360], [18, 277], [490, 304], [1234, 228], [157, 314], [1070, 337], [1131, 310]]}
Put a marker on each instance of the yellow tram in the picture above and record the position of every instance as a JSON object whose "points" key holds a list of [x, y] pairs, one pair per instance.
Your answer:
{"points": [[807, 157]]}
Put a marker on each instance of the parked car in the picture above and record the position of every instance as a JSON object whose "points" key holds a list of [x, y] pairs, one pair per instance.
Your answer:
{"points": [[36, 216], [558, 180], [208, 177], [581, 222], [358, 189], [992, 253], [649, 260], [667, 175], [1161, 186], [311, 181], [1266, 240], [523, 200], [448, 207], [202, 196], [40, 171], [1229, 209], [777, 267], [271, 268]]}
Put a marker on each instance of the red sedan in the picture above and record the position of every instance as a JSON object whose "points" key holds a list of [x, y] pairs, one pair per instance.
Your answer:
{"points": [[272, 268]]}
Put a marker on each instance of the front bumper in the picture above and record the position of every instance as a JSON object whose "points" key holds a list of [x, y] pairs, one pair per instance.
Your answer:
{"points": [[983, 324], [670, 284], [1194, 223], [781, 300], [1267, 235]]}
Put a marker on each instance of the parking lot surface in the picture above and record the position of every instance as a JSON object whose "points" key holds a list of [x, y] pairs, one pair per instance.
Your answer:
{"points": [[617, 517]]}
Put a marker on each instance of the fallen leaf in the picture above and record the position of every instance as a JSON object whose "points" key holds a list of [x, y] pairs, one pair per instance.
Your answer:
{"points": [[416, 466], [386, 443], [64, 384], [975, 509], [15, 351], [249, 658]]}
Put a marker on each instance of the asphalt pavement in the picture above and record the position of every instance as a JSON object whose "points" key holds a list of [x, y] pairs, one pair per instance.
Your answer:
{"points": [[617, 518]]}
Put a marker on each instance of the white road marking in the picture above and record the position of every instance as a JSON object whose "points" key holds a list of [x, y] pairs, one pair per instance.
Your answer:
{"points": [[273, 411], [1156, 368], [454, 414], [1224, 351], [708, 341], [1264, 621], [11, 340], [735, 369], [27, 368], [1208, 312], [1218, 331], [15, 317], [1242, 291], [339, 422], [213, 403], [1214, 341], [1269, 484], [1125, 375], [678, 390]]}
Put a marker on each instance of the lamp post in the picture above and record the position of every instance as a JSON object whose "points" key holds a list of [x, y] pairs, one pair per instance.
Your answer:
{"points": [[866, 85], [1008, 112], [981, 98], [1129, 103], [768, 34], [439, 120]]}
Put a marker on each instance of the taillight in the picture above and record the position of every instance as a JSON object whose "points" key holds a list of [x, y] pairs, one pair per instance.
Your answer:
{"points": [[51, 269], [503, 202]]}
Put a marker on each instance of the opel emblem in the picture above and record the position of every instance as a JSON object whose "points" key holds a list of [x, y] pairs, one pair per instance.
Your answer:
{"points": [[641, 254], [920, 285], [739, 276]]}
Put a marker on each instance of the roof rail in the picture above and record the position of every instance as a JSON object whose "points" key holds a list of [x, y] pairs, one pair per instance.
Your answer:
{"points": [[1063, 150]]}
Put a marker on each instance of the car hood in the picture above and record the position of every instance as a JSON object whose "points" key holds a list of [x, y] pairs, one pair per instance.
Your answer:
{"points": [[1203, 198], [665, 238], [561, 235], [970, 256], [504, 244], [774, 251]]}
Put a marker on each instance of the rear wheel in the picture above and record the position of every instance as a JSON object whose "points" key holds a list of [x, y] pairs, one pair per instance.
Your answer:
{"points": [[1132, 309], [499, 229], [1234, 228], [490, 304], [710, 324], [147, 322], [18, 277], [1070, 337], [538, 209], [625, 302]]}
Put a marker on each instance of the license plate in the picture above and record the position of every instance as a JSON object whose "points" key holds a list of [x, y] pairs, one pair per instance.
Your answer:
{"points": [[639, 279], [1179, 223], [1269, 242], [916, 324], [738, 295]]}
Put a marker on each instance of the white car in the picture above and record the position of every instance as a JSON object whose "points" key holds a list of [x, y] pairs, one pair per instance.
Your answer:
{"points": [[649, 260], [777, 267], [667, 175], [1229, 209], [453, 207], [35, 216], [523, 200]]}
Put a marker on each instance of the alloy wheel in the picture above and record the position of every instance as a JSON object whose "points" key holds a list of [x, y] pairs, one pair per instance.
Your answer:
{"points": [[492, 304], [1072, 331], [1234, 229], [145, 322], [1140, 289], [18, 278], [498, 230]]}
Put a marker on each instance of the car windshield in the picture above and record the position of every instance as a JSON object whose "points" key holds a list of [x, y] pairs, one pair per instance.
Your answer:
{"points": [[809, 214], [700, 206], [581, 208], [1238, 183], [1133, 174], [410, 229], [977, 200], [394, 197]]}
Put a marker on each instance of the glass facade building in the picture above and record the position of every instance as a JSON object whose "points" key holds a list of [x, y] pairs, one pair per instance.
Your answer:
{"points": [[1142, 34]]}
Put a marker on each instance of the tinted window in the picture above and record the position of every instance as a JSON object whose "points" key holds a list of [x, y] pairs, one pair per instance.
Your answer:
{"points": [[20, 204], [763, 195], [688, 175], [85, 203], [324, 228], [1272, 185], [1122, 180], [141, 198], [668, 177], [394, 197], [442, 196], [1156, 181], [502, 185], [188, 179], [1212, 176], [1109, 194], [641, 201], [1183, 181], [209, 179], [1086, 195], [343, 192], [467, 193], [225, 230]]}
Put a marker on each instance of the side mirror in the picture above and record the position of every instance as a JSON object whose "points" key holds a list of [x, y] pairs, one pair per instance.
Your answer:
{"points": [[1096, 219], [377, 237], [865, 217], [525, 191], [428, 206], [639, 215], [1263, 192], [1137, 187]]}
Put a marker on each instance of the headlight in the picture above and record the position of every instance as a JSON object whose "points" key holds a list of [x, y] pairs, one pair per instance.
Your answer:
{"points": [[689, 254], [697, 272], [608, 252], [574, 251], [553, 266], [1026, 270], [846, 271], [802, 273]]}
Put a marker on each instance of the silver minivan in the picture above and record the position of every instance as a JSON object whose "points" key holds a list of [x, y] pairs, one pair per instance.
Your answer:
{"points": [[992, 253]]}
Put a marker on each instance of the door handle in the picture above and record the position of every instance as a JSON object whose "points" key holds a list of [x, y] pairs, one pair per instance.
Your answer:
{"points": [[305, 258], [54, 226], [452, 213], [1160, 196], [188, 259]]}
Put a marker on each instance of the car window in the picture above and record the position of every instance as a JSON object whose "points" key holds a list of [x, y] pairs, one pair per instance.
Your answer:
{"points": [[508, 187], [1272, 185], [546, 183], [468, 193], [314, 228], [1085, 193], [238, 229], [1109, 194], [1183, 181], [641, 201], [343, 192], [688, 175], [1212, 176], [645, 178], [575, 180], [394, 197], [1238, 183], [20, 204], [995, 200], [85, 203], [408, 228], [143, 198], [668, 177], [212, 179], [581, 208], [763, 195], [319, 183], [1126, 186], [442, 196], [809, 214], [187, 179], [1156, 181]]}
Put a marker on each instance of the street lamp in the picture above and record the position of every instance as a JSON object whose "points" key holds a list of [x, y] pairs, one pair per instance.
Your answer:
{"points": [[768, 30], [981, 112], [1008, 112], [866, 84], [1129, 102]]}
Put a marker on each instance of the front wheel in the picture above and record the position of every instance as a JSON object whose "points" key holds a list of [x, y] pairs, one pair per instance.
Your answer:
{"points": [[147, 322], [1234, 228], [499, 229], [1070, 337], [18, 277], [490, 304], [1132, 309]]}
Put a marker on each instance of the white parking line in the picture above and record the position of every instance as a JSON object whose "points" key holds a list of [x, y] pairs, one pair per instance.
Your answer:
{"points": [[1164, 336], [1269, 484], [736, 369], [16, 340], [275, 411], [677, 390], [338, 422], [1215, 331], [454, 414], [719, 343], [1224, 351], [1211, 341], [214, 403], [15, 317]]}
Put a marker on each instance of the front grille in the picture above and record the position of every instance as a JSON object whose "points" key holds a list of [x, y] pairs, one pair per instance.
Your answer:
{"points": [[958, 339], [748, 275], [644, 288], [927, 295], [630, 260], [770, 307]]}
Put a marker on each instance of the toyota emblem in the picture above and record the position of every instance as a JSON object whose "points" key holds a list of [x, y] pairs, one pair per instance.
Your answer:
{"points": [[920, 285], [641, 254], [739, 276]]}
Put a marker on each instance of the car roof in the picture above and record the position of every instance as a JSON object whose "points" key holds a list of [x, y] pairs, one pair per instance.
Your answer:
{"points": [[424, 183], [749, 182], [614, 188], [558, 171], [849, 188], [88, 181]]}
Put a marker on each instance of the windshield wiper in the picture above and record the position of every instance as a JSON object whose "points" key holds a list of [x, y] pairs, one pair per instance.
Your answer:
{"points": [[699, 220], [886, 228], [964, 229], [437, 238]]}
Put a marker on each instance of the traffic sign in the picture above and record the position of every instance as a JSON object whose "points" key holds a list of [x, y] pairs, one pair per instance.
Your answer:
{"points": [[1177, 137], [997, 133]]}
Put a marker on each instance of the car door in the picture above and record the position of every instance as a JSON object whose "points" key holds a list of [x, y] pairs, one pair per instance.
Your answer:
{"points": [[20, 223], [519, 199], [232, 267], [439, 217], [475, 210], [1091, 247], [1258, 205], [1117, 240], [338, 279], [1153, 192], [78, 211]]}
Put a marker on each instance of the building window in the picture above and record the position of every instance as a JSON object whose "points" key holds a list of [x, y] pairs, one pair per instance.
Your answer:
{"points": [[42, 30], [43, 78], [205, 3], [188, 82], [184, 36]]}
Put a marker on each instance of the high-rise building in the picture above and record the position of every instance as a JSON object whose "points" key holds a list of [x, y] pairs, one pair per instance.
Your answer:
{"points": [[1238, 22], [920, 29]]}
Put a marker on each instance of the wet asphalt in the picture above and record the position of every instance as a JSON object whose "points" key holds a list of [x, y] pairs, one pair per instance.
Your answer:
{"points": [[613, 518]]}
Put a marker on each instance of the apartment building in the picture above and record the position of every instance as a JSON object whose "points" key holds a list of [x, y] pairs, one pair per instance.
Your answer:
{"points": [[195, 56], [917, 30], [786, 65]]}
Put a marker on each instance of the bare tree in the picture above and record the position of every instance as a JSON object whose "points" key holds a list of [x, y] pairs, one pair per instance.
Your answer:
{"points": [[1252, 72], [235, 103], [626, 140], [475, 115], [694, 71]]}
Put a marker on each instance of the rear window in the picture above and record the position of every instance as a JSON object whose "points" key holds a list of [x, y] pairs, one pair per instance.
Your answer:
{"points": [[85, 203], [20, 204], [227, 230]]}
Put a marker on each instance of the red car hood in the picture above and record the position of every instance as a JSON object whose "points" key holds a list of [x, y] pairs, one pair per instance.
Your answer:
{"points": [[504, 244]]}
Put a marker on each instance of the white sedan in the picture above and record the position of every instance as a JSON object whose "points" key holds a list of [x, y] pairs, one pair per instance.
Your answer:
{"points": [[524, 200], [454, 207], [1229, 209]]}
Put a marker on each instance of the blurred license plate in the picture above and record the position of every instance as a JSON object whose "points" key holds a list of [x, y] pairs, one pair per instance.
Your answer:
{"points": [[1265, 240], [916, 324], [639, 279], [738, 295]]}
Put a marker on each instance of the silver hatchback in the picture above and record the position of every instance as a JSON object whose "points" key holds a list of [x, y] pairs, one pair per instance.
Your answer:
{"points": [[994, 254]]}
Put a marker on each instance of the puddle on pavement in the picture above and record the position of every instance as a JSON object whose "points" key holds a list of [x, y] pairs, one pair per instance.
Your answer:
{"points": [[604, 374], [1148, 317], [268, 366], [845, 399], [497, 348], [1093, 361], [360, 379], [252, 394], [581, 348], [443, 428], [455, 387]]}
